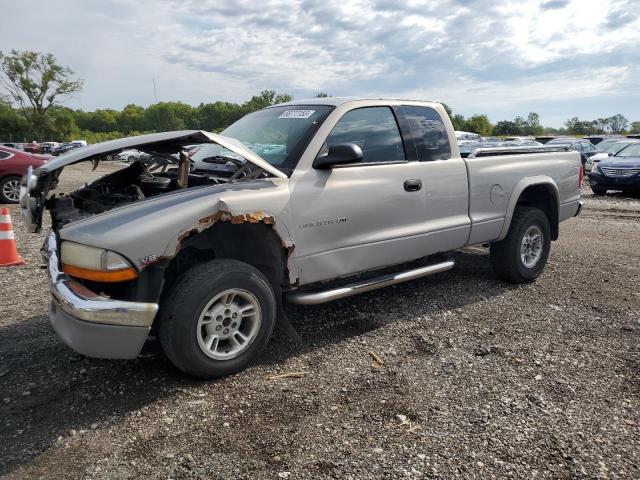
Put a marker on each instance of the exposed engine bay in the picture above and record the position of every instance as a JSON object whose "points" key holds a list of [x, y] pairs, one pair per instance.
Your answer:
{"points": [[140, 180]]}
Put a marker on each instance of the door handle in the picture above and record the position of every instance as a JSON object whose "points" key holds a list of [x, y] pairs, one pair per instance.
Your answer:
{"points": [[413, 185]]}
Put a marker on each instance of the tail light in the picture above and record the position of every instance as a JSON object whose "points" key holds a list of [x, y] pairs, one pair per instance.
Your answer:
{"points": [[581, 176]]}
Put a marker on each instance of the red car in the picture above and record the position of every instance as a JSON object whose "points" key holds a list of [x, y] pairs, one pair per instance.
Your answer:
{"points": [[13, 165]]}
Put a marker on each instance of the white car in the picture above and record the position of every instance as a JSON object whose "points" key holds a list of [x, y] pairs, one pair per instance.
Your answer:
{"points": [[467, 136], [130, 156]]}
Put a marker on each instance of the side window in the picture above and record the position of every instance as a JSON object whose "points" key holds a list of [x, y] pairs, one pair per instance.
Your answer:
{"points": [[374, 130], [4, 155], [426, 132]]}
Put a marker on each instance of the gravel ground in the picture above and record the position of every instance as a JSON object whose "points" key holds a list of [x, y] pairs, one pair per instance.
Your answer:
{"points": [[479, 379]]}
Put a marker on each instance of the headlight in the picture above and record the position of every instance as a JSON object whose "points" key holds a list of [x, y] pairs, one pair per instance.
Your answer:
{"points": [[96, 264], [595, 168]]}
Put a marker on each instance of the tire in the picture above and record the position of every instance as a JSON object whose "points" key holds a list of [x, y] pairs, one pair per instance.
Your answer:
{"points": [[507, 256], [10, 189], [183, 337], [598, 190]]}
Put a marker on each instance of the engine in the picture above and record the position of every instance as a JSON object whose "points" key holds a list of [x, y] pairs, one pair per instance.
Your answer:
{"points": [[129, 185]]}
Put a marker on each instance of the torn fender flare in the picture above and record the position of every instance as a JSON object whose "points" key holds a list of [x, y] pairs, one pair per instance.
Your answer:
{"points": [[254, 217]]}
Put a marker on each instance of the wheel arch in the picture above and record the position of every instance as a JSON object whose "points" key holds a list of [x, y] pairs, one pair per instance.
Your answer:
{"points": [[243, 238], [10, 174], [540, 192]]}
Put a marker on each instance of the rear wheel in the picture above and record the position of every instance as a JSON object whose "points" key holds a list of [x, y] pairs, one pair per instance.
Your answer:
{"points": [[522, 255], [10, 189], [217, 318], [598, 190]]}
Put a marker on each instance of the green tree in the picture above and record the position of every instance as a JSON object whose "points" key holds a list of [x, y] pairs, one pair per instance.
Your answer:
{"points": [[533, 126], [600, 125], [219, 115], [618, 123], [131, 119], [102, 120], [166, 116], [479, 124], [575, 126], [505, 127], [635, 127], [458, 121], [13, 126], [266, 98], [62, 124], [322, 95], [35, 82]]}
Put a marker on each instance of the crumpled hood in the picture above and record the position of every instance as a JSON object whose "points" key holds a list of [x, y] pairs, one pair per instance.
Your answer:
{"points": [[35, 185], [155, 226], [164, 142]]}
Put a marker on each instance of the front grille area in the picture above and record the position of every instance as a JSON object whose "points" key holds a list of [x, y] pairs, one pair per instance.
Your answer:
{"points": [[619, 172]]}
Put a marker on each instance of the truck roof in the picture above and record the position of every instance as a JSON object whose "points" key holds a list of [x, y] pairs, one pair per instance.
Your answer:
{"points": [[337, 101]]}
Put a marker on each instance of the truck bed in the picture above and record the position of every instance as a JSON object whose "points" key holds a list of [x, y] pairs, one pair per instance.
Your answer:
{"points": [[497, 177]]}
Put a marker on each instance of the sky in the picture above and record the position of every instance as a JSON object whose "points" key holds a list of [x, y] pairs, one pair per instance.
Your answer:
{"points": [[559, 58]]}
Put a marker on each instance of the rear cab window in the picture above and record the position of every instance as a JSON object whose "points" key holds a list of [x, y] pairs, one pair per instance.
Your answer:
{"points": [[425, 135], [374, 130]]}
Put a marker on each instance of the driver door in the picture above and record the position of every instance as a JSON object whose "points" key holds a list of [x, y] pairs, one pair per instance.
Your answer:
{"points": [[359, 216]]}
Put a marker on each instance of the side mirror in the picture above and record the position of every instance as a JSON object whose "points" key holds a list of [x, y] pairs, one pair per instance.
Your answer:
{"points": [[339, 154]]}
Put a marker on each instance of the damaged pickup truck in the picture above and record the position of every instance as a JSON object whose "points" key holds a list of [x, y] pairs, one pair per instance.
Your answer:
{"points": [[305, 202]]}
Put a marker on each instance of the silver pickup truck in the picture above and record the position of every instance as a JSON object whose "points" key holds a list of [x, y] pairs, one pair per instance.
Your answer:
{"points": [[305, 202]]}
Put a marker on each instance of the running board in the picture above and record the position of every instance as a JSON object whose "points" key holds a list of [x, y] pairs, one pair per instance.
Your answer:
{"points": [[315, 298]]}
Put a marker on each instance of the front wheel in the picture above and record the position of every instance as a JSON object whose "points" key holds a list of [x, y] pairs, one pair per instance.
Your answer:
{"points": [[522, 255], [217, 318], [10, 190]]}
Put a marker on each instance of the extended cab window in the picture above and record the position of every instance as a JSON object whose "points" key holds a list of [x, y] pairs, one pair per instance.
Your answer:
{"points": [[374, 130], [425, 132], [4, 154]]}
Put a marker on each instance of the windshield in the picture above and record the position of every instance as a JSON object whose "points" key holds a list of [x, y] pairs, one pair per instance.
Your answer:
{"points": [[615, 147], [607, 145], [633, 150], [277, 134]]}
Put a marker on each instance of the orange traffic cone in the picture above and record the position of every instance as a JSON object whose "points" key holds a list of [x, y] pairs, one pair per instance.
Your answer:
{"points": [[9, 255]]}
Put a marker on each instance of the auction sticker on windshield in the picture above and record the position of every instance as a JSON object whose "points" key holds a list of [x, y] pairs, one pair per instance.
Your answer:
{"points": [[296, 114]]}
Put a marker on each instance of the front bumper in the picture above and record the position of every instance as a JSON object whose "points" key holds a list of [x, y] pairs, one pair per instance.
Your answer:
{"points": [[614, 183], [91, 324]]}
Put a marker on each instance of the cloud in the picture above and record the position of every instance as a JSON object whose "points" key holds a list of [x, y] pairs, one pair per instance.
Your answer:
{"points": [[554, 4], [619, 18], [477, 55]]}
